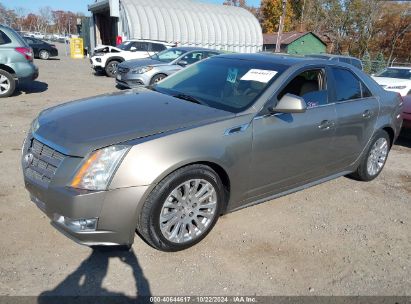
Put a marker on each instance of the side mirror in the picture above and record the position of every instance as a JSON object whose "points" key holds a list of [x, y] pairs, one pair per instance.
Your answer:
{"points": [[183, 63], [289, 103], [133, 49]]}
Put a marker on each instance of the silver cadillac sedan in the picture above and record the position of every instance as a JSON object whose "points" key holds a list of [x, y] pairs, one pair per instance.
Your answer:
{"points": [[223, 134]]}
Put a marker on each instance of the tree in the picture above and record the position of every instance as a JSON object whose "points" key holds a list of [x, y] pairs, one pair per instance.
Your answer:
{"points": [[379, 63], [242, 4], [366, 60], [270, 12]]}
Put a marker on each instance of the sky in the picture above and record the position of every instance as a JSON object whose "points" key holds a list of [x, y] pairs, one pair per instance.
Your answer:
{"points": [[75, 5]]}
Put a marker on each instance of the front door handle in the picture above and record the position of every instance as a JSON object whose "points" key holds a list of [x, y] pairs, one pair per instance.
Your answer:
{"points": [[326, 125], [367, 114]]}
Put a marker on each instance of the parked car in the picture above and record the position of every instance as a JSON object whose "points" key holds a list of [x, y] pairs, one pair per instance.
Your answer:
{"points": [[396, 79], [37, 35], [132, 73], [225, 133], [106, 58], [16, 61], [340, 58], [42, 49]]}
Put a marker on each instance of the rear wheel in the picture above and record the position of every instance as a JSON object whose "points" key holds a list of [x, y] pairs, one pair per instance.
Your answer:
{"points": [[7, 84], [43, 54], [182, 209], [111, 68], [374, 160]]}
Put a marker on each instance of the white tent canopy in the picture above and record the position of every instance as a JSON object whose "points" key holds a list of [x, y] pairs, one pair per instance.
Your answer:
{"points": [[191, 23]]}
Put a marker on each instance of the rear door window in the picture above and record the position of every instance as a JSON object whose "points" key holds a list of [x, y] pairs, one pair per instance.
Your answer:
{"points": [[4, 39], [141, 46], [347, 86], [157, 47]]}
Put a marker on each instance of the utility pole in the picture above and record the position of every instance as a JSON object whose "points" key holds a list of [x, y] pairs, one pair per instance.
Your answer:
{"points": [[280, 28]]}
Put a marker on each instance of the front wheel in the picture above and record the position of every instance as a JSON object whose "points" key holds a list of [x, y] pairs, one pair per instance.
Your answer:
{"points": [[374, 160], [7, 84], [43, 54], [182, 209], [111, 68], [157, 79]]}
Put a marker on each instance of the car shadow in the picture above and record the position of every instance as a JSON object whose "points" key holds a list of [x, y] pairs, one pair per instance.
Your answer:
{"points": [[86, 281], [31, 87], [404, 139]]}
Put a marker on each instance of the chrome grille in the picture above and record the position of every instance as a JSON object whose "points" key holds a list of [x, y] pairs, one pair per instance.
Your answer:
{"points": [[44, 163], [122, 70]]}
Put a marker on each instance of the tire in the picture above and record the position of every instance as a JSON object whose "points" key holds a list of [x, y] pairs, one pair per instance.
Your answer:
{"points": [[374, 159], [111, 68], [157, 78], [189, 227], [44, 55], [7, 84]]}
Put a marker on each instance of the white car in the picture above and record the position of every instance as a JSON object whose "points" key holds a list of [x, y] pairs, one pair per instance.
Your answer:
{"points": [[106, 57], [396, 79], [37, 35]]}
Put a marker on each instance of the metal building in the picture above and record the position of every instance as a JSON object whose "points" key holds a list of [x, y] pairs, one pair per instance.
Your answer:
{"points": [[185, 22]]}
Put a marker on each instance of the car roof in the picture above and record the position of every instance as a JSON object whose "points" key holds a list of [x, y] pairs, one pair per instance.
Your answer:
{"points": [[269, 58], [153, 41], [324, 55], [193, 48]]}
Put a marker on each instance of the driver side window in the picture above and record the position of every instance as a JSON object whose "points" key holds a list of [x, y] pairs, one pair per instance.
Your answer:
{"points": [[310, 85]]}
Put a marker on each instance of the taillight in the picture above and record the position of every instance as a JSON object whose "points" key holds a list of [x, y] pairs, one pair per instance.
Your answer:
{"points": [[26, 52]]}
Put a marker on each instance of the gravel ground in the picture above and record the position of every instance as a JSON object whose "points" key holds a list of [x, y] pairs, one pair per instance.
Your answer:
{"points": [[339, 238]]}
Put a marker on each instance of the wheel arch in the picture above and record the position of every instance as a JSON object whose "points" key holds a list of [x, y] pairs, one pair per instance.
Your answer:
{"points": [[157, 74], [390, 132], [115, 58], [7, 69]]}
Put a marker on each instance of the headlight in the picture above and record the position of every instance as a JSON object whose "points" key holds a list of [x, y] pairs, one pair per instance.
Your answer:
{"points": [[96, 171], [396, 87], [142, 70], [34, 125]]}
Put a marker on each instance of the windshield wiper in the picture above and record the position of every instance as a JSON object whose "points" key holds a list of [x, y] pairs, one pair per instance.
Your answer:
{"points": [[189, 98]]}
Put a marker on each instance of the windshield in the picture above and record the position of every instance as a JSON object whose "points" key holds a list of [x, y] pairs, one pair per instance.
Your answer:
{"points": [[396, 73], [168, 55], [224, 83]]}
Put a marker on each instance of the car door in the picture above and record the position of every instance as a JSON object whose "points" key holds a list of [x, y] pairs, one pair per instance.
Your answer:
{"points": [[291, 149], [357, 112]]}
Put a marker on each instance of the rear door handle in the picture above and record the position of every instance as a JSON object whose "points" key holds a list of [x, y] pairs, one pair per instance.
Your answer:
{"points": [[326, 125], [367, 114]]}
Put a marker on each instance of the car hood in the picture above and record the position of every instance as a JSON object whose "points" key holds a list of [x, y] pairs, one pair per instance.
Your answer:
{"points": [[391, 81], [79, 127], [135, 63]]}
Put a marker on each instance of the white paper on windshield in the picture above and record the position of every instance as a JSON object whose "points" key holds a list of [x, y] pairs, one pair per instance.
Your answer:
{"points": [[259, 75]]}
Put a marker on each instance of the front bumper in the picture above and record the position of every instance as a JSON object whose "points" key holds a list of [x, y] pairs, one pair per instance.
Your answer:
{"points": [[130, 80], [97, 63], [115, 211]]}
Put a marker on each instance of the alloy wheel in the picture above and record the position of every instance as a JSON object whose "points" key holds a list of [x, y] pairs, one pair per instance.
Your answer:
{"points": [[4, 84], [377, 157], [188, 211]]}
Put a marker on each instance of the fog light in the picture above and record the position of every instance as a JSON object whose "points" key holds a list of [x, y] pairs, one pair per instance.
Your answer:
{"points": [[79, 225]]}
